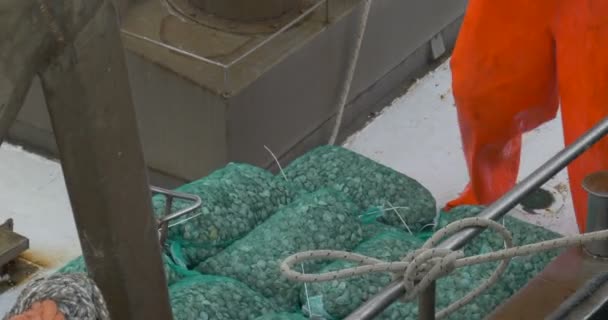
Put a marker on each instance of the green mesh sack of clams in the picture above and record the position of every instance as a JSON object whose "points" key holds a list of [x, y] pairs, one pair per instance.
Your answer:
{"points": [[332, 199], [235, 199], [322, 300], [321, 220], [336, 299], [375, 188], [207, 297], [520, 271]]}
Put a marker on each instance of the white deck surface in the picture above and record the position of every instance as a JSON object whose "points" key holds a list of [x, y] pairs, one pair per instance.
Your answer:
{"points": [[416, 135]]}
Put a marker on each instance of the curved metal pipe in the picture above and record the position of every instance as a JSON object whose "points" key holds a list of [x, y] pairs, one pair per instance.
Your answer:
{"points": [[247, 10]]}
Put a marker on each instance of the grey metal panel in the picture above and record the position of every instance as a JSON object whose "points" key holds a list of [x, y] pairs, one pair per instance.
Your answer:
{"points": [[187, 131], [290, 100], [183, 126], [364, 107], [395, 30], [34, 111], [298, 95]]}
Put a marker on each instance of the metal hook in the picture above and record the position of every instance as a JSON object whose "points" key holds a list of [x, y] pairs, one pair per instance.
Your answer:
{"points": [[167, 216]]}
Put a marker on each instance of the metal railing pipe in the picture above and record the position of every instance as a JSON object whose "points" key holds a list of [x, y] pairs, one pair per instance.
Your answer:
{"points": [[495, 211]]}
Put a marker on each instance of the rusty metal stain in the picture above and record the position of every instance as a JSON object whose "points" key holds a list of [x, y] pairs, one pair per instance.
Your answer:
{"points": [[46, 259], [40, 260], [28, 264], [20, 271]]}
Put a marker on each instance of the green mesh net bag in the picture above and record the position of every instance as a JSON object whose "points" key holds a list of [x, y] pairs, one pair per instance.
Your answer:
{"points": [[520, 270], [77, 265], [373, 187], [173, 271], [463, 280], [372, 229], [336, 299], [282, 316], [235, 199], [322, 220], [217, 298]]}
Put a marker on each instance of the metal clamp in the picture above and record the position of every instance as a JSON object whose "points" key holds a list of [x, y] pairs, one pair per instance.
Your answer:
{"points": [[168, 216]]}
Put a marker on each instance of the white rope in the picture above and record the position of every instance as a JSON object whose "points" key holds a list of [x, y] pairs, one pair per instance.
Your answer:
{"points": [[76, 296], [427, 264], [350, 72]]}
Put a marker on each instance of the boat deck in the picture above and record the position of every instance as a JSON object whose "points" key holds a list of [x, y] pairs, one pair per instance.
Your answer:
{"points": [[417, 135]]}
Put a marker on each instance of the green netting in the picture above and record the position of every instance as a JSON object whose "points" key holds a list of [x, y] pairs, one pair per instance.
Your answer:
{"points": [[336, 299], [520, 271], [374, 229], [321, 220], [282, 316], [235, 199], [77, 265], [217, 298], [368, 183], [340, 195], [456, 285], [173, 271]]}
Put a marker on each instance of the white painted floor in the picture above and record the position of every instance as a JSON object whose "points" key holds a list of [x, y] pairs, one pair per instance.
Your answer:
{"points": [[416, 135], [33, 193]]}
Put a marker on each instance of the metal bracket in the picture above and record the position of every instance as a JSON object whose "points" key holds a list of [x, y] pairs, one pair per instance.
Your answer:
{"points": [[168, 216], [8, 225], [11, 245], [437, 46]]}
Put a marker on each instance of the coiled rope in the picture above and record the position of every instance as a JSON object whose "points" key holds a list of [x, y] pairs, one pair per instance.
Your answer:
{"points": [[420, 268], [76, 296]]}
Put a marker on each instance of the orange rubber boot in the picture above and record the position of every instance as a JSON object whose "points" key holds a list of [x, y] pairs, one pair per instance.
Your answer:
{"points": [[504, 84]]}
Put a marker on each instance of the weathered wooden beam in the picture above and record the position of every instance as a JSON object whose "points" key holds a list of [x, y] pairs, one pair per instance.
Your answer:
{"points": [[75, 47]]}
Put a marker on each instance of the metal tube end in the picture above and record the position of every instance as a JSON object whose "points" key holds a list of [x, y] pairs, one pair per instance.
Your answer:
{"points": [[596, 185]]}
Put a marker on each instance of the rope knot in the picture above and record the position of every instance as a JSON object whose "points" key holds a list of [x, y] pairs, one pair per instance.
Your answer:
{"points": [[418, 269], [425, 266]]}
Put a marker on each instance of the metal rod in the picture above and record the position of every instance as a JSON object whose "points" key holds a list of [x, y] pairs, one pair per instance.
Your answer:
{"points": [[174, 49], [89, 100], [426, 303], [170, 195], [247, 10], [163, 221], [282, 30], [495, 211]]}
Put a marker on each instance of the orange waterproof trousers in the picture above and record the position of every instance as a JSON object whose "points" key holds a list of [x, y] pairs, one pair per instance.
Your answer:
{"points": [[514, 62]]}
